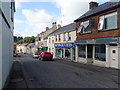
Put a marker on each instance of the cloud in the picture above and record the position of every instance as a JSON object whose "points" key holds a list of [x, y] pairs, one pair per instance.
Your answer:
{"points": [[18, 21], [36, 21]]}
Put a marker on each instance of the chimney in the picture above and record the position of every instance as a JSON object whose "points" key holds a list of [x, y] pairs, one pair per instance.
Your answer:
{"points": [[47, 28], [93, 5], [54, 24], [59, 26]]}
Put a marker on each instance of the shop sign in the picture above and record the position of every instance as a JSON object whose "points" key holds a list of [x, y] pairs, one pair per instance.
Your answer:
{"points": [[64, 45], [93, 41]]}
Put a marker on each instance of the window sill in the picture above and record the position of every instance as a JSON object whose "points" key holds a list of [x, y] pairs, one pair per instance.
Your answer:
{"points": [[104, 30], [86, 33]]}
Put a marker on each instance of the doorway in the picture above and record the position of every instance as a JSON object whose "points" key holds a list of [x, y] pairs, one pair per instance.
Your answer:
{"points": [[90, 51], [113, 57]]}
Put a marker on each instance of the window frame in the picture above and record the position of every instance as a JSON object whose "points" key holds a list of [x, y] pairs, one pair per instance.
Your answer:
{"points": [[69, 36], [64, 36], [83, 27], [105, 16]]}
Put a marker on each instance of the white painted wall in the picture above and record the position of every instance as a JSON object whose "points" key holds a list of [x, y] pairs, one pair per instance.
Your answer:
{"points": [[6, 43], [0, 52], [119, 56]]}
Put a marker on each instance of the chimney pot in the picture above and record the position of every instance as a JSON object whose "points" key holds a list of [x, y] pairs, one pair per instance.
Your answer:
{"points": [[47, 28], [93, 5]]}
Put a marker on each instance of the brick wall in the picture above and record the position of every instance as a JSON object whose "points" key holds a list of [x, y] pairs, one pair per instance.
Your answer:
{"points": [[95, 33]]}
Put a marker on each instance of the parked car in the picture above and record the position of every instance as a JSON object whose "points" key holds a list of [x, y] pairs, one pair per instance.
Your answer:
{"points": [[45, 56], [18, 55], [35, 55]]}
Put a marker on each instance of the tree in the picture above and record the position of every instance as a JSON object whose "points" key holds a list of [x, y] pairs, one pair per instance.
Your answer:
{"points": [[27, 40]]}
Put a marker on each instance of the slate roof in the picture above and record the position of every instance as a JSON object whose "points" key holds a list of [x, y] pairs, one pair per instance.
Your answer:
{"points": [[100, 8], [31, 45], [63, 29]]}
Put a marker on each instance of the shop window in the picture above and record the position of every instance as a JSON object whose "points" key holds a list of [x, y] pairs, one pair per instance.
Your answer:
{"points": [[67, 53], [59, 52], [108, 21], [82, 51], [86, 27], [100, 52]]}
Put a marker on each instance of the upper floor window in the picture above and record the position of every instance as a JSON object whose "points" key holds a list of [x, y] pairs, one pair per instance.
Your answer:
{"points": [[56, 38], [59, 38], [69, 36], [49, 40], [52, 39], [86, 27], [39, 39], [108, 21], [64, 35]]}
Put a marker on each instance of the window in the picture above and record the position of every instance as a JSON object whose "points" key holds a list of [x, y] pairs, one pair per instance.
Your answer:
{"points": [[100, 52], [82, 51], [86, 27], [59, 38], [49, 40], [108, 21], [69, 36], [39, 39], [52, 39], [56, 38], [64, 37]]}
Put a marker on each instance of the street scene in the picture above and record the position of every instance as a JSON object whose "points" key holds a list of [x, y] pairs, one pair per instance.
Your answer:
{"points": [[63, 74], [59, 44]]}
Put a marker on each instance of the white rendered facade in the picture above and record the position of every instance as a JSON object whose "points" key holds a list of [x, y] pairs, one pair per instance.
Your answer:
{"points": [[6, 39]]}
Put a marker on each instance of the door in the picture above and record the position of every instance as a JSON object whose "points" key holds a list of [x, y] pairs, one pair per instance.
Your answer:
{"points": [[74, 54], [113, 57], [89, 51]]}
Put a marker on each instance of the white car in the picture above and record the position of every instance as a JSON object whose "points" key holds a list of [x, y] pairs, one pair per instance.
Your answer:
{"points": [[35, 55]]}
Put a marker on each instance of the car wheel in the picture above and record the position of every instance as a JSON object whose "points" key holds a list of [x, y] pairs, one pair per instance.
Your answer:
{"points": [[39, 58], [42, 59]]}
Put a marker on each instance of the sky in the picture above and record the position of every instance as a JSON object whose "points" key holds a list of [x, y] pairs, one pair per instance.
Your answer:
{"points": [[33, 16]]}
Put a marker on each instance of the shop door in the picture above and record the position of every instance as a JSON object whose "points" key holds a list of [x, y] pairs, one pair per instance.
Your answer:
{"points": [[89, 51], [74, 54], [113, 57]]}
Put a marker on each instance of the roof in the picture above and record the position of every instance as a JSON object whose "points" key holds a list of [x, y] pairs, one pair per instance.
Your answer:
{"points": [[100, 8], [31, 45], [66, 28]]}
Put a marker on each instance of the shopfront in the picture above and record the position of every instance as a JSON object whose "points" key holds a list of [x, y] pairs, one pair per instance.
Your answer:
{"points": [[102, 52], [65, 50]]}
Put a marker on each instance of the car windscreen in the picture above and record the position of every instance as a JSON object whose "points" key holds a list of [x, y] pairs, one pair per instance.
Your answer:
{"points": [[36, 54]]}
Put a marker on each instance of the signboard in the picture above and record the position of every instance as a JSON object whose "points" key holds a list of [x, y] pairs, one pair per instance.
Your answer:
{"points": [[64, 45]]}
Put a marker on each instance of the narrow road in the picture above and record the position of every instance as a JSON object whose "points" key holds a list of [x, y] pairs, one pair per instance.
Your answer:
{"points": [[66, 74]]}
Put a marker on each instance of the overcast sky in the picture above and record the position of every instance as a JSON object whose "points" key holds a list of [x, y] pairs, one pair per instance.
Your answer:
{"points": [[33, 16]]}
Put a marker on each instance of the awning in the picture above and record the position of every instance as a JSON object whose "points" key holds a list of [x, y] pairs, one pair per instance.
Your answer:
{"points": [[111, 40]]}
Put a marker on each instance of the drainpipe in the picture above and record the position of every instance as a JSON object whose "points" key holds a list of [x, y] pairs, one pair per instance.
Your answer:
{"points": [[107, 56], [76, 56]]}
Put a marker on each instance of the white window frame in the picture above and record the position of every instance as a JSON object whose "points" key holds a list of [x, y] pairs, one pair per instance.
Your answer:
{"points": [[83, 27], [64, 35], [69, 36], [102, 21]]}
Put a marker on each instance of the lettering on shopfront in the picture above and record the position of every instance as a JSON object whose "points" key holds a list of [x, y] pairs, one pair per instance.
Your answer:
{"points": [[64, 45], [93, 41]]}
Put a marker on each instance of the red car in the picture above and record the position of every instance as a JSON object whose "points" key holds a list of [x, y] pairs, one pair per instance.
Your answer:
{"points": [[45, 56]]}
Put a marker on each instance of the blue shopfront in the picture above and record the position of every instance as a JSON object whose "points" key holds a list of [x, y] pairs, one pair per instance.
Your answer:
{"points": [[65, 50]]}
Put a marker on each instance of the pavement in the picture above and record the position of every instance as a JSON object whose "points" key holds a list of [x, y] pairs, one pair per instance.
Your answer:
{"points": [[17, 77], [31, 73]]}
